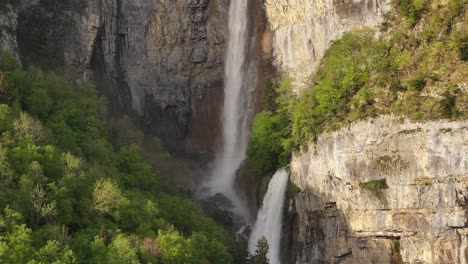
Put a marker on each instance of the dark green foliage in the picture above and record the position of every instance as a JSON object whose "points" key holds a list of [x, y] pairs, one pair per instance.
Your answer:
{"points": [[260, 255], [396, 251], [375, 186], [463, 48], [241, 253], [73, 197], [417, 83], [265, 147], [293, 190], [411, 9], [448, 106], [270, 146]]}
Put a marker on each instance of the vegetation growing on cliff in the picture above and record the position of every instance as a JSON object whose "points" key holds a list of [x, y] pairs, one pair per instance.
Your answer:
{"points": [[67, 195], [375, 186], [415, 67]]}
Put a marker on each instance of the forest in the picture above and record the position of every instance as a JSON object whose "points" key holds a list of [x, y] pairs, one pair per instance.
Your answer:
{"points": [[68, 195]]}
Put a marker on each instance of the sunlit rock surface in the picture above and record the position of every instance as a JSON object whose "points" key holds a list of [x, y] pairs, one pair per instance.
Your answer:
{"points": [[304, 29], [420, 218]]}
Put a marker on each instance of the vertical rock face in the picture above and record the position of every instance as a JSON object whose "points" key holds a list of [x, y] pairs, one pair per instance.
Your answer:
{"points": [[165, 57], [419, 215], [8, 23], [304, 29]]}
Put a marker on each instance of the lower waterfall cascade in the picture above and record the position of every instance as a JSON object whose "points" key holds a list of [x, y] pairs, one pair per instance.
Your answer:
{"points": [[269, 218]]}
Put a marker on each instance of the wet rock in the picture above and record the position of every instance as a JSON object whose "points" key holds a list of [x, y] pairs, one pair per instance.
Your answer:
{"points": [[220, 208]]}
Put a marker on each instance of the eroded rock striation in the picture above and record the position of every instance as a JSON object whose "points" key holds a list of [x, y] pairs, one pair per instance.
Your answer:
{"points": [[8, 23], [417, 214], [163, 59], [302, 30]]}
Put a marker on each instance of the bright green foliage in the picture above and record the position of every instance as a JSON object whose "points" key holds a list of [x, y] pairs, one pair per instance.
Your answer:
{"points": [[121, 250], [83, 200], [15, 238], [54, 253], [265, 147], [344, 70], [174, 247], [107, 196], [197, 249], [270, 145], [413, 71]]}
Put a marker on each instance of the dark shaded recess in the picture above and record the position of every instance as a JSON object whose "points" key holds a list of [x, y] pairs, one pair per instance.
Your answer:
{"points": [[115, 88], [164, 122], [464, 49], [42, 31]]}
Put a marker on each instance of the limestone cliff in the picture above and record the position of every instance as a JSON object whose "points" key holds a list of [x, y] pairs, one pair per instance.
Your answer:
{"points": [[163, 59], [302, 30], [419, 214]]}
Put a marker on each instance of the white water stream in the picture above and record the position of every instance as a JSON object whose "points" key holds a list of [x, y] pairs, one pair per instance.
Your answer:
{"points": [[237, 106], [269, 218]]}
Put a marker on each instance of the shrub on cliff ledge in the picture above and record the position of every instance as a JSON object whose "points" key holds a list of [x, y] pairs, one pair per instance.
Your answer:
{"points": [[344, 70], [270, 144], [265, 146], [375, 186]]}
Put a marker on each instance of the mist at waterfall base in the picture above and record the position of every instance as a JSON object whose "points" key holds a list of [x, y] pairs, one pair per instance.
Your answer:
{"points": [[237, 105], [269, 218]]}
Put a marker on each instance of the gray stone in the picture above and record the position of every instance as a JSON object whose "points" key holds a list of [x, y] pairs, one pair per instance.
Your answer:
{"points": [[8, 23]]}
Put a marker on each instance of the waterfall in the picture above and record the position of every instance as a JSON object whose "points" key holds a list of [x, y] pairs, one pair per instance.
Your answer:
{"points": [[269, 218], [237, 106]]}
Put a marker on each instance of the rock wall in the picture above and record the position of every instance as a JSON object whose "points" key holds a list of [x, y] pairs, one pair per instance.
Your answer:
{"points": [[302, 30], [8, 23], [420, 218], [161, 58]]}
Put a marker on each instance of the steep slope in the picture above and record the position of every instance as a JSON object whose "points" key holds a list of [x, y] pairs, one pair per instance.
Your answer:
{"points": [[67, 195]]}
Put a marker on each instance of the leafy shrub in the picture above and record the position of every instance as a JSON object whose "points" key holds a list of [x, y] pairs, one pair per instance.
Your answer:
{"points": [[293, 190], [270, 145], [412, 10], [265, 149], [448, 106], [343, 71], [375, 186]]}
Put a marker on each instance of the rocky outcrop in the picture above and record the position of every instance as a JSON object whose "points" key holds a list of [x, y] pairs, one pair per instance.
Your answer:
{"points": [[8, 23], [383, 190], [302, 30]]}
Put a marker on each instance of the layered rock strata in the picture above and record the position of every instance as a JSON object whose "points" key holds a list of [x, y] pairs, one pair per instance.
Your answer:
{"points": [[384, 190]]}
